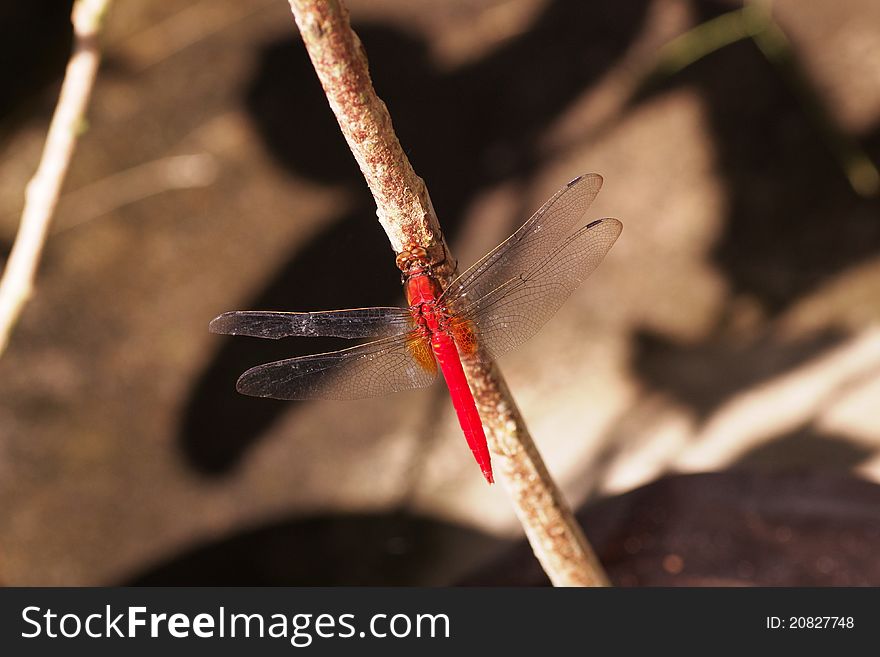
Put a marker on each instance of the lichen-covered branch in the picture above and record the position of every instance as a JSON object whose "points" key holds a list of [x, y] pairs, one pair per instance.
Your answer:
{"points": [[556, 539], [404, 209], [402, 202], [43, 190]]}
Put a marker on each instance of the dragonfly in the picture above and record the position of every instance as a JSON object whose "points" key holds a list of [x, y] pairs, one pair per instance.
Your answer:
{"points": [[493, 307]]}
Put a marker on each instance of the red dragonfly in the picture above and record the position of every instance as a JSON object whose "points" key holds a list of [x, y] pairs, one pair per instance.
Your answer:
{"points": [[498, 303]]}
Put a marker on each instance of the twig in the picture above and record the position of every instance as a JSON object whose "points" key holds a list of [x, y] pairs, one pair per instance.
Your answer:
{"points": [[184, 28], [406, 214], [139, 182], [43, 190], [860, 171], [755, 21], [704, 39]]}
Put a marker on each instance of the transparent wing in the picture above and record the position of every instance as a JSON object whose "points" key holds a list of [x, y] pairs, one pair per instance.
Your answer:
{"points": [[376, 368], [353, 323], [515, 310], [530, 244]]}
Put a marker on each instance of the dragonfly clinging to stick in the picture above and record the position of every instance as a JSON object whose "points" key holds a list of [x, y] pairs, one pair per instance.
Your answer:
{"points": [[496, 305]]}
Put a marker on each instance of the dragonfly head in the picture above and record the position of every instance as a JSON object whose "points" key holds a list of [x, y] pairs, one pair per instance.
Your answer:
{"points": [[413, 262], [415, 257], [421, 258]]}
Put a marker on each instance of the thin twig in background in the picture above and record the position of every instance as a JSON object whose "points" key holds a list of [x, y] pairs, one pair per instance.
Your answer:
{"points": [[405, 212], [141, 181], [43, 190], [755, 21]]}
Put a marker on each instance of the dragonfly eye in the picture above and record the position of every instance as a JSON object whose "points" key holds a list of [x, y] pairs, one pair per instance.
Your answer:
{"points": [[402, 261], [416, 256]]}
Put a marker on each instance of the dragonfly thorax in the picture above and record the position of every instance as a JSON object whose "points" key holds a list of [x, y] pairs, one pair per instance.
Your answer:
{"points": [[423, 292], [421, 288]]}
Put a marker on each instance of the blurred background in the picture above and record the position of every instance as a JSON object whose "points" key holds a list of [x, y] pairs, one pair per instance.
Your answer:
{"points": [[709, 400]]}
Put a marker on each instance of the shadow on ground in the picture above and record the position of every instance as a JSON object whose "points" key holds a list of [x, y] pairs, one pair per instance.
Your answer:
{"points": [[707, 374], [334, 550], [792, 223], [36, 36], [793, 220], [804, 447]]}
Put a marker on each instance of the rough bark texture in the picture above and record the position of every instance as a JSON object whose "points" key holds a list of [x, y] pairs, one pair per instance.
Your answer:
{"points": [[403, 205]]}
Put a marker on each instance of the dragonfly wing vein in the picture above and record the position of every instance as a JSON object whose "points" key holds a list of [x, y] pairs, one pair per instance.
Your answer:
{"points": [[367, 370], [531, 242], [351, 323], [517, 309]]}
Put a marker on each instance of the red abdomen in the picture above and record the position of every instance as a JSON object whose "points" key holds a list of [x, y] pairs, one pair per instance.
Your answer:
{"points": [[463, 401], [422, 292]]}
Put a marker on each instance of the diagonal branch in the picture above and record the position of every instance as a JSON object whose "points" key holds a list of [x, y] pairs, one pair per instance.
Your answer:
{"points": [[406, 214], [43, 190]]}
